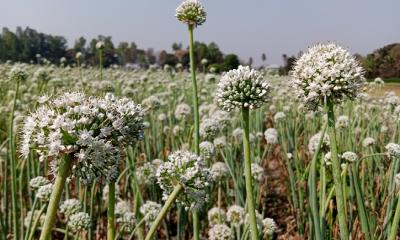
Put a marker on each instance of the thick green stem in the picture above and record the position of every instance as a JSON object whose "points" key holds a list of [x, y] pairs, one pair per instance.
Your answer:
{"points": [[111, 212], [13, 161], [63, 171], [344, 233], [196, 225], [171, 199], [395, 223], [249, 181]]}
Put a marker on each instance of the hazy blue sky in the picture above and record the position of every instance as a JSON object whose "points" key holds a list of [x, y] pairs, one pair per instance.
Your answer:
{"points": [[245, 27]]}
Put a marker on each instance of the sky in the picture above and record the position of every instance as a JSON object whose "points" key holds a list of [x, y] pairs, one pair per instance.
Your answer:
{"points": [[245, 27]]}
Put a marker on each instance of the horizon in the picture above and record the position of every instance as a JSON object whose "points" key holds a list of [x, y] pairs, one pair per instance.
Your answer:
{"points": [[361, 26]]}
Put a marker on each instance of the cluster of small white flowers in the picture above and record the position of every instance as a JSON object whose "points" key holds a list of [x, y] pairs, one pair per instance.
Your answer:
{"points": [[235, 215], [106, 191], [367, 142], [127, 222], [257, 172], [44, 192], [191, 12], [259, 220], [150, 211], [220, 232], [41, 75], [220, 142], [350, 156], [397, 181], [182, 111], [327, 72], [314, 141], [271, 135], [279, 116], [70, 207], [393, 150], [269, 227], [188, 169], [242, 87], [342, 121], [31, 216], [18, 73], [122, 207], [237, 133], [100, 45], [209, 128], [219, 171], [396, 113], [37, 182], [146, 174], [79, 222], [151, 103], [89, 130], [214, 215], [207, 149]]}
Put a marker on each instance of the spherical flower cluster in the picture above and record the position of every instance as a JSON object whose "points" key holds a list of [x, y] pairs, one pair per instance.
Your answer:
{"points": [[146, 174], [219, 171], [393, 150], [189, 170], [220, 232], [367, 142], [70, 207], [208, 128], [100, 45], [257, 172], [182, 111], [242, 87], [326, 72], [350, 156], [207, 149], [237, 133], [122, 207], [269, 227], [150, 210], [78, 55], [31, 216], [151, 103], [314, 141], [279, 116], [397, 181], [235, 215], [191, 12], [127, 221], [18, 73], [342, 121], [220, 142], [91, 131], [214, 215], [271, 135], [44, 192], [79, 222], [37, 182]]}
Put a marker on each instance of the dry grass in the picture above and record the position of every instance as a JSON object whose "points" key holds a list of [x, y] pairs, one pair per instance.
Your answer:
{"points": [[388, 87]]}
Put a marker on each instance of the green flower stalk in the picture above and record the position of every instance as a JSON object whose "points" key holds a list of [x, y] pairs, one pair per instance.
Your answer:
{"points": [[100, 48], [246, 89], [192, 13], [326, 75]]}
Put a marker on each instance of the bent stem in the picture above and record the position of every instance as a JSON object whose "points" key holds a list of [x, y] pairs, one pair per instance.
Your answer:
{"points": [[62, 174], [249, 181], [111, 212], [395, 224], [170, 200], [196, 225], [344, 233]]}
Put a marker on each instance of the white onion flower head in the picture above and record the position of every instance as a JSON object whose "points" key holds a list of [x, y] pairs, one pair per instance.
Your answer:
{"points": [[100, 45], [259, 220], [257, 172], [31, 216], [393, 150], [189, 170], [220, 232], [18, 73], [367, 142], [70, 207], [207, 149], [327, 72], [342, 121], [182, 111], [242, 87], [37, 182], [208, 128], [146, 174], [271, 135], [235, 215], [314, 141], [44, 192], [127, 221], [279, 116], [219, 171], [191, 12], [269, 227], [220, 142], [397, 181], [122, 207], [90, 131], [150, 211], [79, 222], [350, 156], [214, 214]]}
